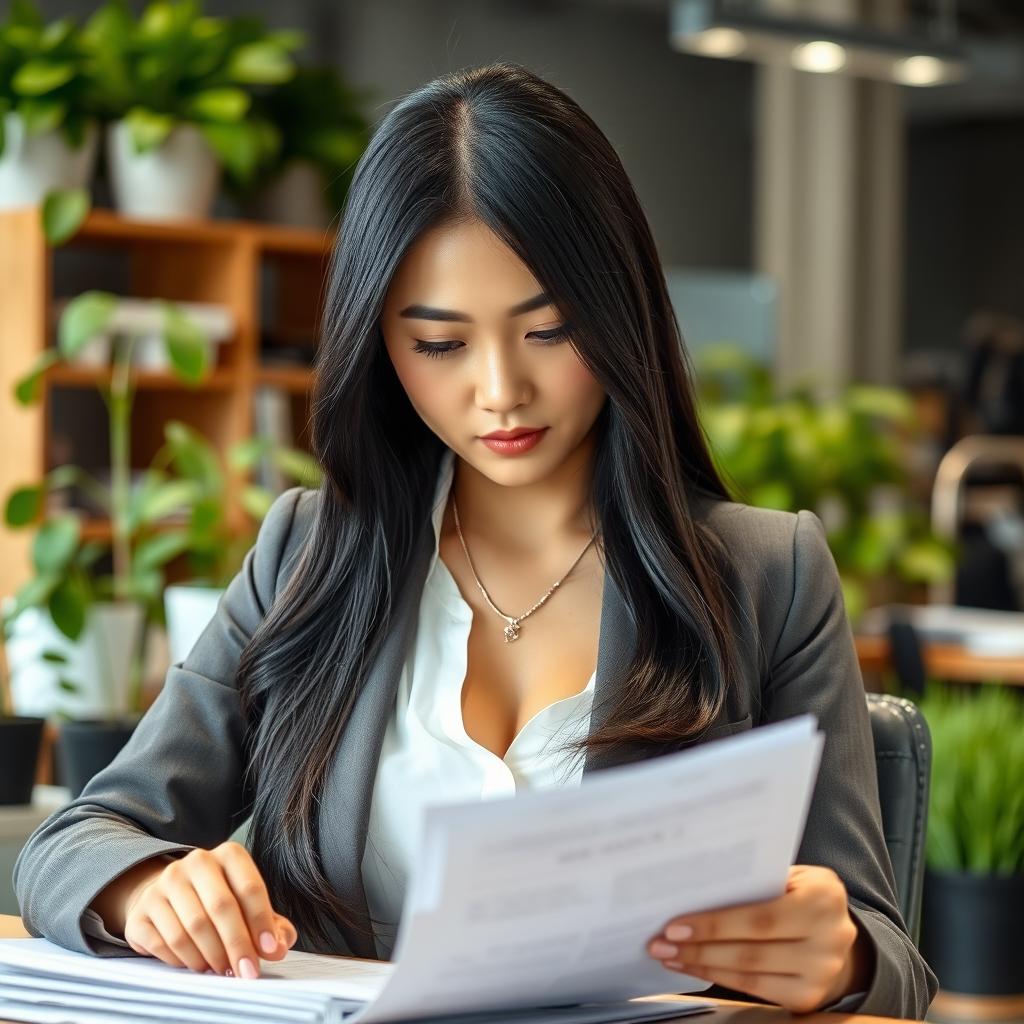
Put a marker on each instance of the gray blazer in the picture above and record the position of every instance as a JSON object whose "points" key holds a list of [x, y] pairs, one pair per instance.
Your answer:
{"points": [[178, 782]]}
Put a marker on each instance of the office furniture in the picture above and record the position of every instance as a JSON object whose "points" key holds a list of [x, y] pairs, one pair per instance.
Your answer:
{"points": [[903, 754], [270, 278], [728, 1011]]}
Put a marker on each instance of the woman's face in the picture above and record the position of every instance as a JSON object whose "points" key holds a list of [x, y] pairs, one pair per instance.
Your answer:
{"points": [[477, 351]]}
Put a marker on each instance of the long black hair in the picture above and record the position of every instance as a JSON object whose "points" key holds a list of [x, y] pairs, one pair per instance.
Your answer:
{"points": [[500, 145]]}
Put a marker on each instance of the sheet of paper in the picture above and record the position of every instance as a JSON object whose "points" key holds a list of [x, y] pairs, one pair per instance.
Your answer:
{"points": [[550, 897], [533, 910]]}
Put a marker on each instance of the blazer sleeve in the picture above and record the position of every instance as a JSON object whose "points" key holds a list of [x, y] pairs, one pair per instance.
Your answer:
{"points": [[814, 668], [178, 782]]}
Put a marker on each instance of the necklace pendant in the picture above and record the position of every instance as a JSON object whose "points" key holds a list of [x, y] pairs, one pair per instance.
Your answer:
{"points": [[512, 631]]}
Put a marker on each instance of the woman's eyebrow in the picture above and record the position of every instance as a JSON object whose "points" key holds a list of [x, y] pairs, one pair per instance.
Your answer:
{"points": [[417, 312]]}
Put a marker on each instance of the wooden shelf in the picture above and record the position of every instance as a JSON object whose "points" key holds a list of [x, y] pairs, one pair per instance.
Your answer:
{"points": [[291, 378], [221, 379], [270, 277], [108, 227]]}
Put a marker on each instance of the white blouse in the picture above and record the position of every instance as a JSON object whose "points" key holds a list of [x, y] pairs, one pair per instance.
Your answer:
{"points": [[427, 756]]}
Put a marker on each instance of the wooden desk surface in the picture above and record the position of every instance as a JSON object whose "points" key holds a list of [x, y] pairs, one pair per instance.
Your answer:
{"points": [[946, 661], [728, 1012]]}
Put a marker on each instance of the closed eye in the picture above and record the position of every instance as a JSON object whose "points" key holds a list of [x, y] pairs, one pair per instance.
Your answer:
{"points": [[438, 349]]}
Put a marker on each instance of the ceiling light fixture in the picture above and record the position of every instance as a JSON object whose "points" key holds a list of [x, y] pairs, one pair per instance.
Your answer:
{"points": [[720, 28]]}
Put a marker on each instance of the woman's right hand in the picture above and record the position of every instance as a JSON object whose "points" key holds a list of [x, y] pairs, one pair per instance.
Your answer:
{"points": [[208, 910]]}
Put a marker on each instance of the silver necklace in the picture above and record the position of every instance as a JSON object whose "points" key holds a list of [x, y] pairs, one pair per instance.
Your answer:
{"points": [[512, 629]]}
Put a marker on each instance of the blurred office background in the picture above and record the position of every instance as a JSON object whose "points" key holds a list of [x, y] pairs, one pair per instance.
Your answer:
{"points": [[834, 188]]}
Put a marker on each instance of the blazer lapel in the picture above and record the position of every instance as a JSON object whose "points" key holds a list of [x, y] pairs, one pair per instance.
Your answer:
{"points": [[345, 809]]}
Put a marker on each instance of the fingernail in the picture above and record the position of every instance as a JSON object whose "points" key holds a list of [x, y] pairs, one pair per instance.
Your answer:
{"points": [[267, 942], [246, 968], [678, 932], [662, 949]]}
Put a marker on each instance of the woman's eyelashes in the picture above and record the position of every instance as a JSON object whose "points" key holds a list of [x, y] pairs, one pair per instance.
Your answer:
{"points": [[438, 349]]}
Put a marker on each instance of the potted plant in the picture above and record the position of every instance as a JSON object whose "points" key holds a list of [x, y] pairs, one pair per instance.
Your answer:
{"points": [[47, 131], [842, 456], [178, 88], [214, 547], [75, 632], [323, 133], [974, 878], [20, 739]]}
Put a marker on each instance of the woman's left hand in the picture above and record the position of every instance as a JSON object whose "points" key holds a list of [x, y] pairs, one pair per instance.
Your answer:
{"points": [[802, 950]]}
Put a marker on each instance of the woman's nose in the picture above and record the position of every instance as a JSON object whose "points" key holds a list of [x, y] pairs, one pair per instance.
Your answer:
{"points": [[503, 382]]}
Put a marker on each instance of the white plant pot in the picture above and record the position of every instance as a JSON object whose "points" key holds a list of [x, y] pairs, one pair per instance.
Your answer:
{"points": [[99, 663], [188, 610], [95, 352], [177, 180], [32, 166]]}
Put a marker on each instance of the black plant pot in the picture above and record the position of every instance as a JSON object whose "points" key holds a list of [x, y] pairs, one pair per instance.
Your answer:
{"points": [[970, 932], [20, 739], [87, 746]]}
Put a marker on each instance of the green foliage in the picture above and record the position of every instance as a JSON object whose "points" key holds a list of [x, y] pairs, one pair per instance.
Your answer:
{"points": [[213, 547], [63, 212], [976, 810], [43, 76], [173, 64], [799, 451], [65, 579], [320, 121]]}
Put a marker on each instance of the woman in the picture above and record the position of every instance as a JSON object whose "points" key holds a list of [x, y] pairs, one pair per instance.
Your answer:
{"points": [[423, 625]]}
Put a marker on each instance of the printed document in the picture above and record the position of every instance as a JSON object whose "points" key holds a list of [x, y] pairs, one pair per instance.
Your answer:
{"points": [[534, 908]]}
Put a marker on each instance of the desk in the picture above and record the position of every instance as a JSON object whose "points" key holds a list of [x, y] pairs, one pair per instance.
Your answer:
{"points": [[729, 1011], [946, 661]]}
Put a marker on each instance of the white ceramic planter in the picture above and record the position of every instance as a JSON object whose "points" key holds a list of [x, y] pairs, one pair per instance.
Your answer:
{"points": [[189, 610], [32, 166], [177, 180], [99, 663]]}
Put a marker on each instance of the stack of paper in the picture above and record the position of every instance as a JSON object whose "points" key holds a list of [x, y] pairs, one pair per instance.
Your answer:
{"points": [[534, 909]]}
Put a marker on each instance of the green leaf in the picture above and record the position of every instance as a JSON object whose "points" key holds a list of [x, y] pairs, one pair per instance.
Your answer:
{"points": [[225, 104], [262, 63], [89, 553], [299, 465], [24, 506], [38, 77], [164, 499], [68, 605], [55, 543], [256, 501], [67, 685], [25, 13], [29, 388], [158, 22], [56, 34], [41, 115], [188, 348], [156, 551], [148, 129], [84, 317], [245, 455], [35, 592], [193, 457], [55, 657], [238, 146], [64, 210]]}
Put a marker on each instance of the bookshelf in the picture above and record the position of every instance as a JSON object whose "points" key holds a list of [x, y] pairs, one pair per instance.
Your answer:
{"points": [[272, 278]]}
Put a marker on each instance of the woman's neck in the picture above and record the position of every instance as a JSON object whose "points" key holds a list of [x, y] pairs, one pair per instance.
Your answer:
{"points": [[530, 518]]}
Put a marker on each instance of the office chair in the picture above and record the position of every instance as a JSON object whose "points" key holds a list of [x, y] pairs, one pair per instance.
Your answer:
{"points": [[903, 755]]}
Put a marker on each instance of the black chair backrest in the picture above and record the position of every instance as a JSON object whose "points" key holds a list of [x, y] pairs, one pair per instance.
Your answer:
{"points": [[903, 754]]}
